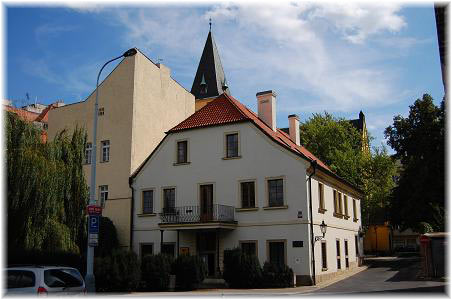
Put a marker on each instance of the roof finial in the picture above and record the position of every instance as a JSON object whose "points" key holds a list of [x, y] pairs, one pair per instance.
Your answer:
{"points": [[210, 24]]}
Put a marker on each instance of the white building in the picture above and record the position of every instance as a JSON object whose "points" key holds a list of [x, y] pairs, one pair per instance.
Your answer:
{"points": [[226, 177]]}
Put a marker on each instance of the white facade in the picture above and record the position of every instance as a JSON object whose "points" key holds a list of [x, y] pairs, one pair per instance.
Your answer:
{"points": [[259, 159]]}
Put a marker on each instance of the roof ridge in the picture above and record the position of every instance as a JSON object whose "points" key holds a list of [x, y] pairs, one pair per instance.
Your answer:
{"points": [[231, 99]]}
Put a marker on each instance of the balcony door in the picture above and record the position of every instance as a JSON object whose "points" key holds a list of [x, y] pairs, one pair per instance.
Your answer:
{"points": [[206, 202]]}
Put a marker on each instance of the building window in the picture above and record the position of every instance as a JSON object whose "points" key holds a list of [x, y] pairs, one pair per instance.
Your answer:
{"points": [[277, 252], [346, 206], [100, 112], [105, 151], [275, 192], [336, 207], [338, 254], [88, 153], [249, 247], [232, 145], [148, 202], [182, 154], [146, 249], [346, 253], [247, 194], [168, 249], [355, 215], [321, 198], [169, 200], [356, 246], [324, 256], [103, 193], [339, 200]]}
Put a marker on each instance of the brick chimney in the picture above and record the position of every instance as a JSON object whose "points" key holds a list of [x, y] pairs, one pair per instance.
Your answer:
{"points": [[294, 129], [266, 108]]}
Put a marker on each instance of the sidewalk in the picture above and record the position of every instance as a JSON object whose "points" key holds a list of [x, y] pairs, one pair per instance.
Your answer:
{"points": [[244, 292]]}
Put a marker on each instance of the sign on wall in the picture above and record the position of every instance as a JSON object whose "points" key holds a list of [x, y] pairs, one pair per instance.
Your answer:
{"points": [[184, 251]]}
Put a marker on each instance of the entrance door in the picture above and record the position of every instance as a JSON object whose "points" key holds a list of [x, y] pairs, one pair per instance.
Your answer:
{"points": [[206, 202], [207, 250]]}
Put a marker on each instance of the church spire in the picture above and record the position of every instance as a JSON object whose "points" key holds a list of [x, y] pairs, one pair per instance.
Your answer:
{"points": [[210, 80]]}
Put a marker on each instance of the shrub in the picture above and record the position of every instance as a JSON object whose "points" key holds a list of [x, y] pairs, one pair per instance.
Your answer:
{"points": [[241, 270], [190, 271], [155, 272], [119, 272], [276, 276], [108, 238]]}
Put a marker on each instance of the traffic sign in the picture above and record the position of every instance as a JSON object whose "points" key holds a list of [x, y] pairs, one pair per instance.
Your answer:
{"points": [[93, 223], [94, 210], [93, 239]]}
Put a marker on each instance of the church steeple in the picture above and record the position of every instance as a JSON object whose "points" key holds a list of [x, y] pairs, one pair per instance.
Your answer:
{"points": [[210, 80]]}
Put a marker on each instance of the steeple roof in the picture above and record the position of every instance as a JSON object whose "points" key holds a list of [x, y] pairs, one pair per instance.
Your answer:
{"points": [[210, 80]]}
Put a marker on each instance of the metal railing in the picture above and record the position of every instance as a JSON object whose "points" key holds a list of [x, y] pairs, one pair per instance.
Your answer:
{"points": [[198, 214]]}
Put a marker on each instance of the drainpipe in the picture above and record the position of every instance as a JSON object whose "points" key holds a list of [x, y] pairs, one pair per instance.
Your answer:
{"points": [[313, 165], [131, 214]]}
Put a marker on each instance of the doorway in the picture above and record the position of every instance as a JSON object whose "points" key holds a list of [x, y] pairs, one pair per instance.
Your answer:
{"points": [[207, 246], [206, 202]]}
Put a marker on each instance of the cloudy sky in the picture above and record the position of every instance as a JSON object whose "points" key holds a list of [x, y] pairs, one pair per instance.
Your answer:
{"points": [[340, 58]]}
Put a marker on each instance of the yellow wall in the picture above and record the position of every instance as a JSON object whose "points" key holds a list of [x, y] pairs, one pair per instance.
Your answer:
{"points": [[377, 239], [200, 103], [141, 101]]}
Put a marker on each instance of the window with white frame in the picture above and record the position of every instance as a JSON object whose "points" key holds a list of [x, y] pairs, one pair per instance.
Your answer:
{"points": [[321, 198], [103, 194], [275, 192], [88, 152], [105, 151], [148, 202]]}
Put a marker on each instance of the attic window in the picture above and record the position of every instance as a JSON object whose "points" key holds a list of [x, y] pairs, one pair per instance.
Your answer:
{"points": [[101, 111], [204, 88]]}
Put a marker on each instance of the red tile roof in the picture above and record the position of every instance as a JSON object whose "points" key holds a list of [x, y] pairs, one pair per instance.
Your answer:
{"points": [[226, 109], [22, 113]]}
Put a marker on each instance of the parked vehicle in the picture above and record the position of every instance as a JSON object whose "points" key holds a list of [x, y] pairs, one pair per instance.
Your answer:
{"points": [[43, 280]]}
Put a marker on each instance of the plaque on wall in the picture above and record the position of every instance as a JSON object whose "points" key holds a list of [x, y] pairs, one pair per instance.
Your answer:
{"points": [[184, 251], [297, 244]]}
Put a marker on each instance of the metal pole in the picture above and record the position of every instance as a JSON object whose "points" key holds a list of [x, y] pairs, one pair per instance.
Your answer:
{"points": [[161, 241], [90, 281], [177, 252]]}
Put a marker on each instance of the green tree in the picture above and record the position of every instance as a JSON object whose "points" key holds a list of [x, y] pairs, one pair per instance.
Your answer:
{"points": [[46, 192], [338, 144], [418, 140]]}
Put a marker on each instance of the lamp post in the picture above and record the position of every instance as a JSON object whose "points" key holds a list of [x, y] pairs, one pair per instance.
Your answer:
{"points": [[323, 227], [89, 279]]}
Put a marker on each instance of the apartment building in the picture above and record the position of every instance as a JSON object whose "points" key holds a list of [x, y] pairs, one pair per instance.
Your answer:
{"points": [[227, 177], [138, 102]]}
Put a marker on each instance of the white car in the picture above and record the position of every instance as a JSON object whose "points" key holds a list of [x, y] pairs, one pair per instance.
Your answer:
{"points": [[43, 280]]}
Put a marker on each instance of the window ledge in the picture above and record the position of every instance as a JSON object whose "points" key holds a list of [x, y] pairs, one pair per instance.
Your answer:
{"points": [[147, 215], [324, 269], [276, 207], [105, 161], [247, 209], [322, 210], [181, 163], [337, 215], [355, 220], [346, 217], [234, 157]]}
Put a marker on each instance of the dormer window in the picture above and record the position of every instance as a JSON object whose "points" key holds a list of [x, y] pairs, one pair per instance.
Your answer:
{"points": [[203, 85]]}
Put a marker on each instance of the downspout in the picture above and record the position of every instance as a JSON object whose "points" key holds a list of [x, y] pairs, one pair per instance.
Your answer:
{"points": [[313, 165], [131, 214]]}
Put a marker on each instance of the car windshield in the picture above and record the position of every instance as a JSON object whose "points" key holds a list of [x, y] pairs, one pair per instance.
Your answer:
{"points": [[62, 278], [20, 279]]}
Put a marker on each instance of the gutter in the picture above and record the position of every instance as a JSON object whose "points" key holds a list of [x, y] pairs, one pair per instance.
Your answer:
{"points": [[313, 165], [131, 214]]}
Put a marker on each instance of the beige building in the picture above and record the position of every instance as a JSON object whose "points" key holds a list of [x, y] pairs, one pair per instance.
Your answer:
{"points": [[138, 103]]}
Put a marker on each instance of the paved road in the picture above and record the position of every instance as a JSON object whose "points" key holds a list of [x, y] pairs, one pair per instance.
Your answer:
{"points": [[386, 275]]}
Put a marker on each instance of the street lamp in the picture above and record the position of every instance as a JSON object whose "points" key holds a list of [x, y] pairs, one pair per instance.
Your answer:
{"points": [[323, 227], [89, 279]]}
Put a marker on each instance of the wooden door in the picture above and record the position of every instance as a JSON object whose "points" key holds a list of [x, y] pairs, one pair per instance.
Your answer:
{"points": [[206, 202]]}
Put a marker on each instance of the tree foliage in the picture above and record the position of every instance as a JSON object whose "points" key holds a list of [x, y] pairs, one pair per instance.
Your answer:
{"points": [[338, 144], [418, 140], [47, 193]]}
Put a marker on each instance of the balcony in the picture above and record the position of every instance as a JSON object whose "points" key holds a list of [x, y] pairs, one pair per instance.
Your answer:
{"points": [[213, 216]]}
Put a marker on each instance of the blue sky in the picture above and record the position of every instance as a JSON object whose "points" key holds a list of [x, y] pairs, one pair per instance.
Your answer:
{"points": [[340, 58]]}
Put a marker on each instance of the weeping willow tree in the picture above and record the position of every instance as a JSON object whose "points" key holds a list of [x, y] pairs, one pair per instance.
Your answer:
{"points": [[46, 188]]}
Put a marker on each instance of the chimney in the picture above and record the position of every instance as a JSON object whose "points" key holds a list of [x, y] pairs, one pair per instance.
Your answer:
{"points": [[294, 129], [266, 108]]}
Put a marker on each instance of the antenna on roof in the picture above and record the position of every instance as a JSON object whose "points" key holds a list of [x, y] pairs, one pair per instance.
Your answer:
{"points": [[210, 24], [159, 60]]}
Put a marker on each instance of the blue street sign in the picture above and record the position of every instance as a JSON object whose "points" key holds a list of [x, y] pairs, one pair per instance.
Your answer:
{"points": [[93, 224]]}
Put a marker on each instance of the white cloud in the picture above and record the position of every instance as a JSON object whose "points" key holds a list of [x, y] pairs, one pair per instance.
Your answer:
{"points": [[52, 30]]}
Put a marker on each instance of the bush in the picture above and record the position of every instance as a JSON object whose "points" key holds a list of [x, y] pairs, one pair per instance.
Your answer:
{"points": [[155, 272], [190, 271], [119, 272], [241, 270], [276, 276], [108, 238]]}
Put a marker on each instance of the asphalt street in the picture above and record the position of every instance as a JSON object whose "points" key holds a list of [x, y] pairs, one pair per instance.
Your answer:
{"points": [[386, 275]]}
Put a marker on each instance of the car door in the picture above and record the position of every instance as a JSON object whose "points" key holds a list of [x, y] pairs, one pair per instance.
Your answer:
{"points": [[21, 282], [63, 281]]}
